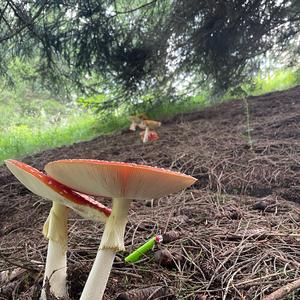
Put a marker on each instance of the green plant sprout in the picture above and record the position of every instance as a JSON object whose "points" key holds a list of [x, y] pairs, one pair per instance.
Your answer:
{"points": [[249, 129]]}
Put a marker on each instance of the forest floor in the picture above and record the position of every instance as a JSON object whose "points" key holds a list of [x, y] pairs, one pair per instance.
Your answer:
{"points": [[232, 235]]}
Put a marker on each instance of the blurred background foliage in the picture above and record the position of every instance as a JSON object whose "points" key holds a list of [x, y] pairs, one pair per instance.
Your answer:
{"points": [[71, 70]]}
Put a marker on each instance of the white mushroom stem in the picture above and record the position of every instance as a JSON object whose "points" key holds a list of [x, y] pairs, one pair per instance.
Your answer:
{"points": [[112, 241], [98, 277], [146, 135], [55, 229]]}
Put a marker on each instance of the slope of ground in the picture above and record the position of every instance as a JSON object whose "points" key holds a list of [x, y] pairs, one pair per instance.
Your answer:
{"points": [[236, 230]]}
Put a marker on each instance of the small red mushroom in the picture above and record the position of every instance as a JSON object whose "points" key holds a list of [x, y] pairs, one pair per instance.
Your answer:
{"points": [[147, 125], [152, 135]]}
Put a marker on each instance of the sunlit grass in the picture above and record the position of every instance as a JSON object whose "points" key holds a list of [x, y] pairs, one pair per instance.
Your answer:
{"points": [[169, 110], [276, 81], [16, 141]]}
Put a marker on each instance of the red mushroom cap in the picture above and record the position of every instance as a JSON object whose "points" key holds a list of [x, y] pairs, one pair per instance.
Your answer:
{"points": [[149, 123], [47, 187], [117, 179], [152, 136]]}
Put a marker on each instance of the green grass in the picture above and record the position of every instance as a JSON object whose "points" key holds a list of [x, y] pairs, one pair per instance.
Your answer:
{"points": [[168, 110], [18, 141], [279, 80], [41, 124]]}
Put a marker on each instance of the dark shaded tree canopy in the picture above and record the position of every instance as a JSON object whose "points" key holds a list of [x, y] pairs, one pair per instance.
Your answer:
{"points": [[138, 47]]}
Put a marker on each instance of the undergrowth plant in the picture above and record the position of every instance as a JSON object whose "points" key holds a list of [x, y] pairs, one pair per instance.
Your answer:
{"points": [[248, 128]]}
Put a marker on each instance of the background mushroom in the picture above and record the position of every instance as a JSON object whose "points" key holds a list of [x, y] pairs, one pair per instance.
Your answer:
{"points": [[122, 182], [136, 121], [147, 125], [55, 227], [152, 135]]}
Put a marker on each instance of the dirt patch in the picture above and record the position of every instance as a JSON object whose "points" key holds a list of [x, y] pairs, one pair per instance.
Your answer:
{"points": [[228, 248]]}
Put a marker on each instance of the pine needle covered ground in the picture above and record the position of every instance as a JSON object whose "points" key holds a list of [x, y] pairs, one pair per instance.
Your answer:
{"points": [[233, 235]]}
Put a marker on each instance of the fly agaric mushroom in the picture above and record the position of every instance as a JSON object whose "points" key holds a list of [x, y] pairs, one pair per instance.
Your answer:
{"points": [[147, 125], [55, 227], [136, 121], [122, 182], [152, 135]]}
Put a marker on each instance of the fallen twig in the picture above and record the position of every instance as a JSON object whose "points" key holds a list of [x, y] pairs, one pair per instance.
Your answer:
{"points": [[284, 290]]}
